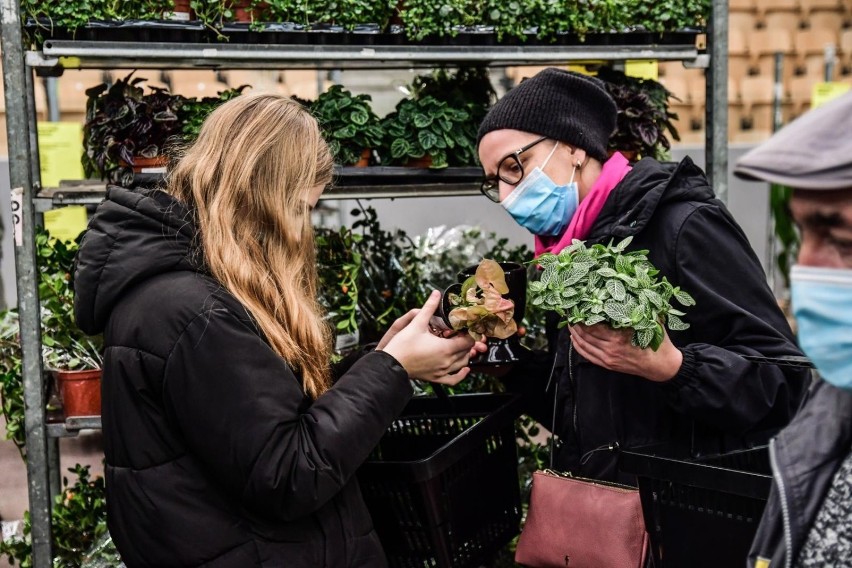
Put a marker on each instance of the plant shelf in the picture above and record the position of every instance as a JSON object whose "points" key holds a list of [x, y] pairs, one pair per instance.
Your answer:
{"points": [[110, 55], [72, 426]]}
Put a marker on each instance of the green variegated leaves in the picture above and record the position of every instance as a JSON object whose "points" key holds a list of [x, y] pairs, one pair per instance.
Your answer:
{"points": [[597, 284], [481, 307]]}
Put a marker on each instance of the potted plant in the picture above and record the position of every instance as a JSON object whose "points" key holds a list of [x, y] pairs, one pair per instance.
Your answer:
{"points": [[478, 304], [644, 117], [338, 271], [127, 129], [193, 112], [349, 124], [605, 284], [429, 131], [468, 87]]}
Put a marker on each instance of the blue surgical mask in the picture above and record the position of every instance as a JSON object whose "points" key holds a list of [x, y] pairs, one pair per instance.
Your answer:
{"points": [[540, 205], [822, 305]]}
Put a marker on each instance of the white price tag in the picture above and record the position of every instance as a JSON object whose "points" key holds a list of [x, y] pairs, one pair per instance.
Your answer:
{"points": [[18, 215]]}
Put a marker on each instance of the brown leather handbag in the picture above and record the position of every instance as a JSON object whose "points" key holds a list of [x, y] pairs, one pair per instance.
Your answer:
{"points": [[582, 523]]}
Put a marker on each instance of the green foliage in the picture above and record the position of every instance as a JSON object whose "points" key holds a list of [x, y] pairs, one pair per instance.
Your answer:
{"points": [[428, 127], [122, 121], [644, 116], [468, 88], [193, 112], [605, 284], [480, 307], [349, 124], [78, 518], [669, 15], [338, 269], [11, 382], [784, 229]]}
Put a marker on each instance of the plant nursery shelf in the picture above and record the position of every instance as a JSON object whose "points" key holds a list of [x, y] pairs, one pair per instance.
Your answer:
{"points": [[72, 426], [350, 183], [89, 54]]}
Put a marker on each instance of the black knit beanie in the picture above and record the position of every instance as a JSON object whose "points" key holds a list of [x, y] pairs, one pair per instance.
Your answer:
{"points": [[559, 104]]}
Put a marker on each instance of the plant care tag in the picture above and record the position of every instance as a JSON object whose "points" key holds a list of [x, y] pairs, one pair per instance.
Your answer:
{"points": [[18, 215]]}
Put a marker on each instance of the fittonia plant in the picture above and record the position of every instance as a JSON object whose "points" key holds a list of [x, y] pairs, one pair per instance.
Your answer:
{"points": [[596, 284], [481, 307]]}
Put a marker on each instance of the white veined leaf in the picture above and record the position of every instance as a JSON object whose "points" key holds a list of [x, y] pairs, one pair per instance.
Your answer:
{"points": [[684, 298], [538, 300], [549, 274], [676, 324], [629, 280], [552, 298], [644, 337], [642, 276], [616, 290], [675, 312], [622, 245], [568, 292], [607, 272], [596, 308], [622, 263], [546, 259], [575, 274], [594, 279], [576, 246], [594, 318], [652, 297], [537, 286], [616, 312]]}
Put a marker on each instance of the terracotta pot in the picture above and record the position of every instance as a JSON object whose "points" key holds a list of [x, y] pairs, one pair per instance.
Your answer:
{"points": [[148, 165], [364, 161], [80, 392], [243, 13], [424, 162], [181, 11]]}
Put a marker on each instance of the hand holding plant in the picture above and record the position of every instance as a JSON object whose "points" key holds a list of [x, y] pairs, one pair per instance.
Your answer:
{"points": [[481, 307], [604, 284]]}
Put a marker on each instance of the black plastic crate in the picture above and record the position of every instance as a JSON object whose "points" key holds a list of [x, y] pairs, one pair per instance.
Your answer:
{"points": [[442, 486], [701, 512]]}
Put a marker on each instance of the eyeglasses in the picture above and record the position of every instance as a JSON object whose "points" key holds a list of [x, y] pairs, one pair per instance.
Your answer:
{"points": [[509, 170]]}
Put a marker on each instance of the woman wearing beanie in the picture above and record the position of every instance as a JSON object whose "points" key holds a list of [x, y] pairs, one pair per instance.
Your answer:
{"points": [[543, 148]]}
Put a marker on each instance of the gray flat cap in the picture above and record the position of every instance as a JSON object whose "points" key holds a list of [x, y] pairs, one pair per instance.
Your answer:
{"points": [[812, 152]]}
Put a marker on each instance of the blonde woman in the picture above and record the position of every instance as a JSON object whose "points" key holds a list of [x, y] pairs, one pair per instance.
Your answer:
{"points": [[228, 443]]}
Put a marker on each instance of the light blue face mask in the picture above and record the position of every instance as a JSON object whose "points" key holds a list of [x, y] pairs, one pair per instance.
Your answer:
{"points": [[822, 304], [541, 206]]}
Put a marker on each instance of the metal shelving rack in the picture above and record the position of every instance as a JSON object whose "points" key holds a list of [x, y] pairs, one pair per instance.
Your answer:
{"points": [[18, 68]]}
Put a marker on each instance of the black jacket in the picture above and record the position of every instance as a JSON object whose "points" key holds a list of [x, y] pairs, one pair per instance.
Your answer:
{"points": [[804, 456], [718, 400], [214, 455]]}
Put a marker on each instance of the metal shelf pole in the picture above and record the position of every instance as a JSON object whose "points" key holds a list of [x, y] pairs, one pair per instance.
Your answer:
{"points": [[716, 108], [21, 176]]}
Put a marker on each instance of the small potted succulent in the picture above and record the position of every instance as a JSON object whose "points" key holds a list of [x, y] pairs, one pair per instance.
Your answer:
{"points": [[351, 127], [426, 132], [606, 284], [128, 130]]}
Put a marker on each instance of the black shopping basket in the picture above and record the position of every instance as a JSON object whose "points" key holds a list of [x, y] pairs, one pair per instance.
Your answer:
{"points": [[442, 486]]}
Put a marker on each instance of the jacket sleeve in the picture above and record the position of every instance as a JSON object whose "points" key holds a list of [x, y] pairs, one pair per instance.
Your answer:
{"points": [[245, 417], [735, 314]]}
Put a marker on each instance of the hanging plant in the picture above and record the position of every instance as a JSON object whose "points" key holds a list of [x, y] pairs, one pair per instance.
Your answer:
{"points": [[349, 124], [605, 284]]}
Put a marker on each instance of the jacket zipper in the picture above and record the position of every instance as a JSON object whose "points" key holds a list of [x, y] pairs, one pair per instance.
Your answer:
{"points": [[785, 511]]}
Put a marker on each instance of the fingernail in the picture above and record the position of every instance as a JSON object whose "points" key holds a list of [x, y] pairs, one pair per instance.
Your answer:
{"points": [[434, 293]]}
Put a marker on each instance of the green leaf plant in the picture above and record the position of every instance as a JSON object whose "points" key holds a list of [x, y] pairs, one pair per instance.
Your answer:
{"points": [[193, 112], [428, 127], [605, 284], [338, 268], [349, 124], [480, 307]]}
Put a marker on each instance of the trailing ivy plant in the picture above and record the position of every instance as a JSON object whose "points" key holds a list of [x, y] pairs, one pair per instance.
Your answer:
{"points": [[349, 124], [605, 284], [428, 127], [644, 117]]}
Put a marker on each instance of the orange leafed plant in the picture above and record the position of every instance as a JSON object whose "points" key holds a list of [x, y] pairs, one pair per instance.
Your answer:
{"points": [[481, 307]]}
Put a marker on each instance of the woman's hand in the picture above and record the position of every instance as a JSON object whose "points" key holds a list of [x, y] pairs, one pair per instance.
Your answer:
{"points": [[424, 355], [612, 349]]}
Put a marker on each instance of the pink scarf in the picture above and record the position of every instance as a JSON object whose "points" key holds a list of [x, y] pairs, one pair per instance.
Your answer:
{"points": [[584, 218]]}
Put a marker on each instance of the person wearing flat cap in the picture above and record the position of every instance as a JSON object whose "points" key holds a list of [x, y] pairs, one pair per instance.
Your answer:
{"points": [[808, 519], [543, 148]]}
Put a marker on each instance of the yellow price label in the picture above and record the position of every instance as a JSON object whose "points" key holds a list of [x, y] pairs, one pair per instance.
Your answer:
{"points": [[66, 223], [642, 69], [60, 145], [824, 92], [70, 62], [581, 67]]}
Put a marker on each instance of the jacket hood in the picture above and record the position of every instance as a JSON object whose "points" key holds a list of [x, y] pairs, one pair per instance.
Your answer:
{"points": [[648, 186], [133, 236]]}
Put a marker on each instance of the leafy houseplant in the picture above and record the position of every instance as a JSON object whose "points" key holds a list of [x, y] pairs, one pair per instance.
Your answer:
{"points": [[591, 285], [125, 125], [468, 88], [422, 127], [193, 112], [350, 125], [480, 307], [338, 270], [644, 116]]}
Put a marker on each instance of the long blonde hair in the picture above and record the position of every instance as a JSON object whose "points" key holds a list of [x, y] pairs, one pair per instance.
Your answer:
{"points": [[248, 178]]}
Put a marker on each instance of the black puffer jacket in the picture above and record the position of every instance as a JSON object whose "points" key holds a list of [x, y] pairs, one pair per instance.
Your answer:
{"points": [[214, 455], [718, 400]]}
